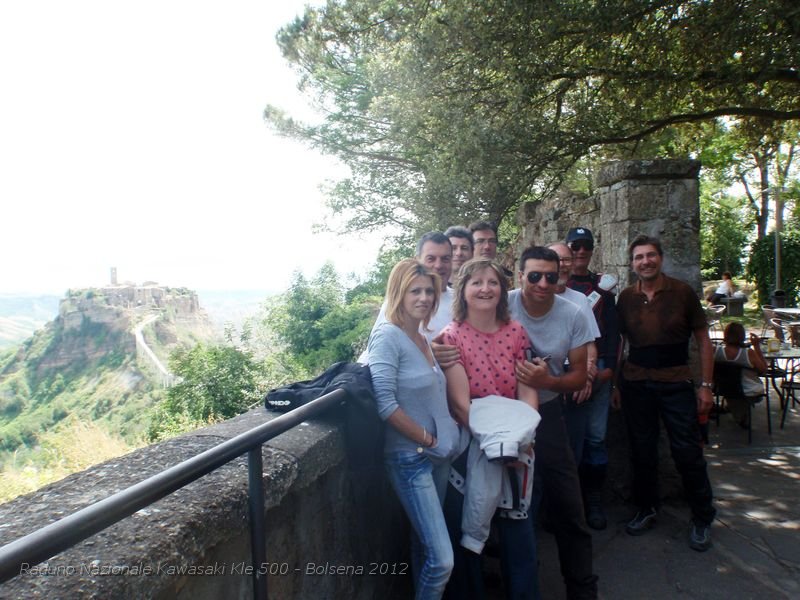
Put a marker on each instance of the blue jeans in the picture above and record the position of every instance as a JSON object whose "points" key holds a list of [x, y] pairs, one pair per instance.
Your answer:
{"points": [[420, 486], [587, 423]]}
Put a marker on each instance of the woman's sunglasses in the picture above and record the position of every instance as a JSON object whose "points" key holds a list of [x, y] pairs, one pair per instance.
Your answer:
{"points": [[550, 277]]}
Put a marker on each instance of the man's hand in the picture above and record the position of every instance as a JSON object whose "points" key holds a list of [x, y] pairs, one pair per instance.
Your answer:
{"points": [[604, 375], [444, 354], [705, 400], [584, 394], [533, 373], [591, 370]]}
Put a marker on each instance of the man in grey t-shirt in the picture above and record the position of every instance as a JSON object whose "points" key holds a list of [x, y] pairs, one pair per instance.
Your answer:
{"points": [[558, 331]]}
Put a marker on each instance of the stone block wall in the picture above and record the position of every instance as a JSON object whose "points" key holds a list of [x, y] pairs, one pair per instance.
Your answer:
{"points": [[332, 531], [654, 197]]}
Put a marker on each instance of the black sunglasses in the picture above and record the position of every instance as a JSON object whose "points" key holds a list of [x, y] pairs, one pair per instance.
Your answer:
{"points": [[550, 277], [578, 244]]}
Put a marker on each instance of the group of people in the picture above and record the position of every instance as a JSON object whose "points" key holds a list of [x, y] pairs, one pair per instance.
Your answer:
{"points": [[496, 402]]}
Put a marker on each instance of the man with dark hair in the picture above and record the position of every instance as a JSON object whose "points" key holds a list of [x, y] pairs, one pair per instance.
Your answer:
{"points": [[658, 316], [463, 248], [558, 332], [587, 421], [485, 236]]}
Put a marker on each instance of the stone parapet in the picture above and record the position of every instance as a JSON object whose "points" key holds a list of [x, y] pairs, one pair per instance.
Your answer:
{"points": [[324, 521]]}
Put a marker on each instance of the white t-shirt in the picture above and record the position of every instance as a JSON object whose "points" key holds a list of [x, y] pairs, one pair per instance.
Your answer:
{"points": [[583, 302]]}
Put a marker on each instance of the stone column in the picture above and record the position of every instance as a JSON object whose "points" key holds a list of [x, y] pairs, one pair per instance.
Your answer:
{"points": [[657, 198]]}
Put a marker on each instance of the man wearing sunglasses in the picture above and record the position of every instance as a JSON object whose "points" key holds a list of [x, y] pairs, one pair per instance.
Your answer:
{"points": [[587, 421], [558, 332]]}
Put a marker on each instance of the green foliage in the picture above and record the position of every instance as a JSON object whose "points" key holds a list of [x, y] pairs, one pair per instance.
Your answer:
{"points": [[72, 446], [723, 234], [449, 111], [215, 382], [375, 283], [315, 325], [761, 267]]}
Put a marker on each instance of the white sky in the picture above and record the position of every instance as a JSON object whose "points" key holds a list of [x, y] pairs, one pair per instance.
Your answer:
{"points": [[131, 135]]}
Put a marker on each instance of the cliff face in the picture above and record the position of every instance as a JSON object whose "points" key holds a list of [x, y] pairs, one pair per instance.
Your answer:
{"points": [[103, 357]]}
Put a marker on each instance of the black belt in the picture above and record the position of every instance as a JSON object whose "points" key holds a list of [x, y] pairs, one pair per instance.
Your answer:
{"points": [[660, 355]]}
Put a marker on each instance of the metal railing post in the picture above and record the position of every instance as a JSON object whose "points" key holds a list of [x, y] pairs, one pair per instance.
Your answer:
{"points": [[258, 541]]}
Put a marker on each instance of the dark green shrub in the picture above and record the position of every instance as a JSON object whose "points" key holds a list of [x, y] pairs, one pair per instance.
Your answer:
{"points": [[761, 266]]}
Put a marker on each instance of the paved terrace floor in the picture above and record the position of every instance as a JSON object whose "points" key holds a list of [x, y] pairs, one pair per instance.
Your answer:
{"points": [[756, 536]]}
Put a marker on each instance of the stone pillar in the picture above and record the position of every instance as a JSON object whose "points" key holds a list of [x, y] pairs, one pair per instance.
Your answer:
{"points": [[654, 197], [657, 198]]}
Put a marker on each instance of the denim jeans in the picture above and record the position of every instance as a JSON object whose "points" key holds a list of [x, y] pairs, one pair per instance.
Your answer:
{"points": [[420, 486], [587, 423], [643, 402]]}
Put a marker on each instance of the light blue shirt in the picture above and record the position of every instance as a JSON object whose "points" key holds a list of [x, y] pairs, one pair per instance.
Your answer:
{"points": [[403, 378]]}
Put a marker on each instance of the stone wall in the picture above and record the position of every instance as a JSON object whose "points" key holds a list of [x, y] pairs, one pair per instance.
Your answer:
{"points": [[328, 525], [654, 197]]}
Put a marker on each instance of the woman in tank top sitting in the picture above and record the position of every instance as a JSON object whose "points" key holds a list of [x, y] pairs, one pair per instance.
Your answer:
{"points": [[753, 363]]}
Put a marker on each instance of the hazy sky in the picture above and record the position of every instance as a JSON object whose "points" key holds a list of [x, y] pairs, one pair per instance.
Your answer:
{"points": [[131, 135]]}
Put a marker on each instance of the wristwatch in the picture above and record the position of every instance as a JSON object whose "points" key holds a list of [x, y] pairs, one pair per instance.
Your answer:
{"points": [[707, 384]]}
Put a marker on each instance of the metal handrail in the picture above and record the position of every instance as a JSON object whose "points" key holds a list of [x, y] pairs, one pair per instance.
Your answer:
{"points": [[42, 544]]}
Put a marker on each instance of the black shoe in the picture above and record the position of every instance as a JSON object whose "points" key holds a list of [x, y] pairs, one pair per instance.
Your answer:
{"points": [[644, 520], [700, 537]]}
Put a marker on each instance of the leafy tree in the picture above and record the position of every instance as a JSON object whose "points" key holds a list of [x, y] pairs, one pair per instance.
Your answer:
{"points": [[723, 234], [446, 111], [216, 382], [761, 266], [315, 324], [375, 283]]}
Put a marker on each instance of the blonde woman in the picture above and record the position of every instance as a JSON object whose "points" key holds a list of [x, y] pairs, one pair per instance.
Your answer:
{"points": [[421, 436]]}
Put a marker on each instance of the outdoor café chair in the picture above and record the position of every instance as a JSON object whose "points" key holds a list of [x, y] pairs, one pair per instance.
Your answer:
{"points": [[728, 384], [791, 388], [767, 313]]}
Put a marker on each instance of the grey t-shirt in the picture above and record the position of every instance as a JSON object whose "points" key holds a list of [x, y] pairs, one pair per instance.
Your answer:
{"points": [[562, 329]]}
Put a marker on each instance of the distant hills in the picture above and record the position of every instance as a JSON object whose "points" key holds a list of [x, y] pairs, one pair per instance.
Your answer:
{"points": [[95, 359], [21, 315]]}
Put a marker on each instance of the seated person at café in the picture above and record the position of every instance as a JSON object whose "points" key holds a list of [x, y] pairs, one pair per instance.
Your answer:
{"points": [[753, 363], [724, 290]]}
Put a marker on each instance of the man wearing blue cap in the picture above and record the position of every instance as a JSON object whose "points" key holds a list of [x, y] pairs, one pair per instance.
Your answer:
{"points": [[587, 419]]}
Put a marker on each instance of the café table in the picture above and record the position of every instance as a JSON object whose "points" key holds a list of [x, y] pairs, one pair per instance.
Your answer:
{"points": [[789, 354], [792, 313]]}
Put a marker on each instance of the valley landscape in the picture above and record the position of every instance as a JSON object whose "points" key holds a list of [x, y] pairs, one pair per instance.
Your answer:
{"points": [[80, 375]]}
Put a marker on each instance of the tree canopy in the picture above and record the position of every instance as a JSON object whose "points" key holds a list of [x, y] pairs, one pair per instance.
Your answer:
{"points": [[450, 110]]}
